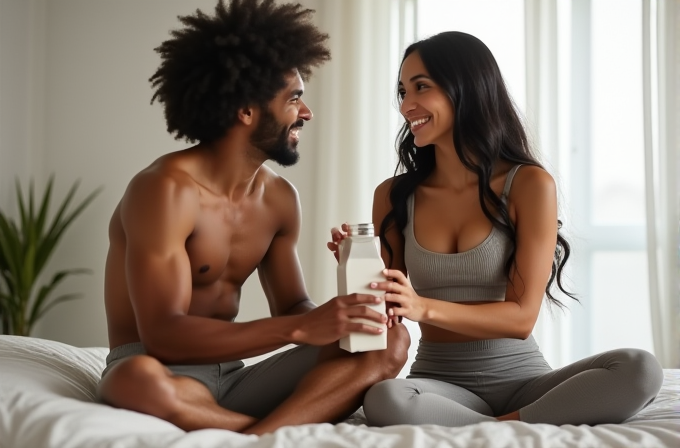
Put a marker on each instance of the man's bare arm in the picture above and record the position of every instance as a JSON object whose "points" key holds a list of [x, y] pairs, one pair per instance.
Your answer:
{"points": [[158, 214], [280, 272]]}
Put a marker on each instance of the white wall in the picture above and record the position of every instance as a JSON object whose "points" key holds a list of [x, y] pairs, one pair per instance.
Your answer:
{"points": [[21, 94], [74, 101]]}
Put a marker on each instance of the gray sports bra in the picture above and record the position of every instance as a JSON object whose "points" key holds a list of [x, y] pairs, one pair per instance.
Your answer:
{"points": [[470, 276]]}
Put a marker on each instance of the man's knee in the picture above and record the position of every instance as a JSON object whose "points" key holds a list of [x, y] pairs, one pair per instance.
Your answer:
{"points": [[139, 383], [396, 355]]}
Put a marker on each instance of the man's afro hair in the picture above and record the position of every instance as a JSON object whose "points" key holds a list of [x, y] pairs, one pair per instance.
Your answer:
{"points": [[216, 65]]}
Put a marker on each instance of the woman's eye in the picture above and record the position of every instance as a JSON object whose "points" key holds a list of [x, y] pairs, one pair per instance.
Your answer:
{"points": [[421, 86], [401, 94]]}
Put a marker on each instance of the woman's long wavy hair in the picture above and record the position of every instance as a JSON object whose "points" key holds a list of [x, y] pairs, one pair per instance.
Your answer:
{"points": [[487, 129]]}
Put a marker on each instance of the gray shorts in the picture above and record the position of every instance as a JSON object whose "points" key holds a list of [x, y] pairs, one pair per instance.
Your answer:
{"points": [[254, 390]]}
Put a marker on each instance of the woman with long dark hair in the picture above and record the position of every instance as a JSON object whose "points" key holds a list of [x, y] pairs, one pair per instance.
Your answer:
{"points": [[472, 242]]}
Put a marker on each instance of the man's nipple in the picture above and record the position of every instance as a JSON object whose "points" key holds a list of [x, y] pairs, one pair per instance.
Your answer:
{"points": [[204, 269]]}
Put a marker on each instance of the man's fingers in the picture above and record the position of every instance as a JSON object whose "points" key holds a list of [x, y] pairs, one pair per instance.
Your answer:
{"points": [[363, 328], [362, 299], [366, 313]]}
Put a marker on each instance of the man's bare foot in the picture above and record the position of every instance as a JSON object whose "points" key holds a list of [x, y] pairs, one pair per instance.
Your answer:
{"points": [[510, 416], [242, 424]]}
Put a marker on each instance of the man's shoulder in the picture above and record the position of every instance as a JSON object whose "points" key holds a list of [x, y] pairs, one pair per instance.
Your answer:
{"points": [[162, 189], [275, 186], [164, 176]]}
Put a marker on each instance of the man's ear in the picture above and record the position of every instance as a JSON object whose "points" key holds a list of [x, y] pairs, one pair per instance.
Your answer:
{"points": [[246, 115]]}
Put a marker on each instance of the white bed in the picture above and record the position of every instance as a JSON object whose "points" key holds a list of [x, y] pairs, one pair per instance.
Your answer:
{"points": [[47, 392]]}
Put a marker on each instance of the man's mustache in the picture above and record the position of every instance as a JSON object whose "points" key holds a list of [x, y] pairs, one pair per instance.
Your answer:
{"points": [[298, 124]]}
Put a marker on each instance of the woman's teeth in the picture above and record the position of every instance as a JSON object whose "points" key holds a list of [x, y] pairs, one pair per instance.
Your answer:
{"points": [[419, 121]]}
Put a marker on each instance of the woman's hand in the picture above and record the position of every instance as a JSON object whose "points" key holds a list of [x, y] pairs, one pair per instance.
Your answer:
{"points": [[400, 294], [337, 235]]}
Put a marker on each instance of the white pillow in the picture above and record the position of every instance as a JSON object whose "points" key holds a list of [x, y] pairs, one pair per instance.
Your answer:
{"points": [[41, 365]]}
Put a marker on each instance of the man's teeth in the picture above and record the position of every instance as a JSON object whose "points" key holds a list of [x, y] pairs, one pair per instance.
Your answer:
{"points": [[419, 122]]}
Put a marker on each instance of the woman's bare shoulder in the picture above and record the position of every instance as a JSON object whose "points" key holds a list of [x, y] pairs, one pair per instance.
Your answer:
{"points": [[533, 188]]}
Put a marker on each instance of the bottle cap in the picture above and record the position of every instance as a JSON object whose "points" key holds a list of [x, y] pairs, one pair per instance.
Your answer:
{"points": [[365, 229]]}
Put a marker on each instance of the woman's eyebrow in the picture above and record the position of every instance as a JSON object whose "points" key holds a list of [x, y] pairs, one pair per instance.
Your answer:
{"points": [[415, 78]]}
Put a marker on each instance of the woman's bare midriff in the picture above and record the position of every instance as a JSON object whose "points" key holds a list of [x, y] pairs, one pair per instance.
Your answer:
{"points": [[430, 333]]}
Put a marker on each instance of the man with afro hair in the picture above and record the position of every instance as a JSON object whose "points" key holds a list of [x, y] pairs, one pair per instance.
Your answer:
{"points": [[195, 224]]}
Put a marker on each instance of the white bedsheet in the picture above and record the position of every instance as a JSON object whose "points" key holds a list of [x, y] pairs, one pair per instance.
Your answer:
{"points": [[47, 392]]}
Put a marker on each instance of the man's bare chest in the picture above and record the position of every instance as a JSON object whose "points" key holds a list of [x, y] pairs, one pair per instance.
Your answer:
{"points": [[227, 244]]}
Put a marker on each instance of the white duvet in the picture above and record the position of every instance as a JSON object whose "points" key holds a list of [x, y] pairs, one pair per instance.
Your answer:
{"points": [[47, 392]]}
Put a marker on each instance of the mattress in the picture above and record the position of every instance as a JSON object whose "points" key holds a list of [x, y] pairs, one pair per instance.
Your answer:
{"points": [[47, 400]]}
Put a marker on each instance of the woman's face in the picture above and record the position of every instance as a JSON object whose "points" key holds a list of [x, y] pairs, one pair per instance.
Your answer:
{"points": [[424, 105]]}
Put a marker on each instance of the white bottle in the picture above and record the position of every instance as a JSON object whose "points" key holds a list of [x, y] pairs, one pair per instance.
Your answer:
{"points": [[360, 264]]}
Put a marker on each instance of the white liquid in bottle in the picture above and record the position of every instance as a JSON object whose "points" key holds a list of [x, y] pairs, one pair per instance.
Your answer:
{"points": [[360, 264]]}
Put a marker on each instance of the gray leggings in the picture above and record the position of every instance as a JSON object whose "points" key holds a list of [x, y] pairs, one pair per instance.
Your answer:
{"points": [[456, 384]]}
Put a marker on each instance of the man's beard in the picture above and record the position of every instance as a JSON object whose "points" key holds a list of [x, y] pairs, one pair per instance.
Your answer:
{"points": [[272, 139]]}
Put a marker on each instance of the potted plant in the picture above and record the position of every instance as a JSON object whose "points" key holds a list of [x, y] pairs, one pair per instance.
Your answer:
{"points": [[25, 248]]}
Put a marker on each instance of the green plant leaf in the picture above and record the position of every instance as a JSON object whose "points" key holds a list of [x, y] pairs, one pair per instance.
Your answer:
{"points": [[42, 298], [7, 303], [25, 250], [44, 208], [10, 247], [22, 208], [50, 304], [59, 225]]}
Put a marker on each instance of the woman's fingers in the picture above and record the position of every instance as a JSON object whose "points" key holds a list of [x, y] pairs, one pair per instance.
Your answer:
{"points": [[397, 300], [387, 286], [396, 312], [336, 235], [395, 274]]}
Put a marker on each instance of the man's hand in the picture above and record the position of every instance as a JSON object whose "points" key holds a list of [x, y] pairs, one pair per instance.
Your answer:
{"points": [[333, 320]]}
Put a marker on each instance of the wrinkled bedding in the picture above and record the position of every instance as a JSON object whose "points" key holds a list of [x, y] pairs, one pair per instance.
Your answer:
{"points": [[47, 400]]}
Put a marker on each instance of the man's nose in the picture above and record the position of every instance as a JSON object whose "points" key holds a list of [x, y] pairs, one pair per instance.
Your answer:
{"points": [[305, 112]]}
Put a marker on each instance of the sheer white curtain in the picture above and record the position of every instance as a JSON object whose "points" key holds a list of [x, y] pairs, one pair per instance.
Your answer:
{"points": [[545, 51], [661, 50], [357, 121], [556, 108], [357, 118]]}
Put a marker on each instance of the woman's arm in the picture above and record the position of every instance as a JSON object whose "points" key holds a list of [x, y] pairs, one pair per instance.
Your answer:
{"points": [[533, 202]]}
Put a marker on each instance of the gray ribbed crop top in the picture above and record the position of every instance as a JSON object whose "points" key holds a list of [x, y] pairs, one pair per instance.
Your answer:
{"points": [[470, 276]]}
